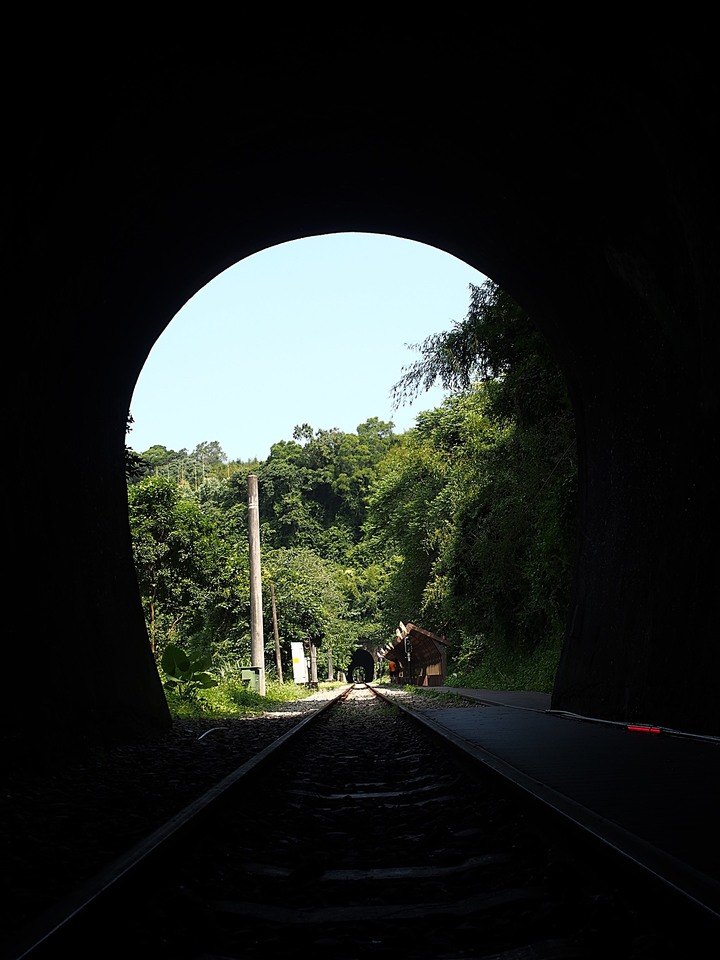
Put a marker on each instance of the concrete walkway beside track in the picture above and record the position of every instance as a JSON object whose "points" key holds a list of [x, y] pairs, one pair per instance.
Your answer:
{"points": [[650, 793]]}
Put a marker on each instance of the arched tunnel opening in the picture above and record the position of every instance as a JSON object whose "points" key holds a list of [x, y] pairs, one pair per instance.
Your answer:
{"points": [[211, 368], [361, 668]]}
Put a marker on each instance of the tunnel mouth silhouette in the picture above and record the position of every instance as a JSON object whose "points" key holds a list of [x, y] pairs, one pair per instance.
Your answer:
{"points": [[593, 203], [361, 668]]}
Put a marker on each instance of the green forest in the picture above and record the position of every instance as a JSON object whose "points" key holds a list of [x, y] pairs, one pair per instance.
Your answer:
{"points": [[464, 525]]}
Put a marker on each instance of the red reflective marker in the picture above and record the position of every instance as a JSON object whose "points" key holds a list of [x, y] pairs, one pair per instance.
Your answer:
{"points": [[643, 728]]}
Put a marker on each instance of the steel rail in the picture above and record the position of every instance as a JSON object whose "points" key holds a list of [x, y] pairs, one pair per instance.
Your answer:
{"points": [[27, 942]]}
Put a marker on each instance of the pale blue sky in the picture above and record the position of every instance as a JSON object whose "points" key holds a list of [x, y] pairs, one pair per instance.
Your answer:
{"points": [[313, 331]]}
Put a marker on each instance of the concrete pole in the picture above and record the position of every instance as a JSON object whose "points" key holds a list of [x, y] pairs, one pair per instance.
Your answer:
{"points": [[313, 666], [278, 658], [257, 639]]}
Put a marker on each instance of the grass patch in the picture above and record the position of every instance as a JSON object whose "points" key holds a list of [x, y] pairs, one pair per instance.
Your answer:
{"points": [[232, 698]]}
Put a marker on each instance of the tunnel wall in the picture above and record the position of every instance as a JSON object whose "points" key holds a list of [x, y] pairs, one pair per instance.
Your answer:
{"points": [[581, 179]]}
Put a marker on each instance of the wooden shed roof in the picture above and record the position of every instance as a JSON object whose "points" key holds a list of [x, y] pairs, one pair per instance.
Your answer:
{"points": [[426, 648]]}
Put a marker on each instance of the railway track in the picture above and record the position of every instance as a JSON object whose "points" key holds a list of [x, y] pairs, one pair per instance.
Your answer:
{"points": [[359, 834]]}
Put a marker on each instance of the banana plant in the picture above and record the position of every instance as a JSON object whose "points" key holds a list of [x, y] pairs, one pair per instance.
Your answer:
{"points": [[184, 673]]}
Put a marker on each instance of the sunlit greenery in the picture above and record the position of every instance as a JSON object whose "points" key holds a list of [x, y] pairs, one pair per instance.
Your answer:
{"points": [[463, 525], [489, 667], [232, 698]]}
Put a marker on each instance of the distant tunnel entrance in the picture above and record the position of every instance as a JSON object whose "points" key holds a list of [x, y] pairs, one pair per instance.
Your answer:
{"points": [[362, 667]]}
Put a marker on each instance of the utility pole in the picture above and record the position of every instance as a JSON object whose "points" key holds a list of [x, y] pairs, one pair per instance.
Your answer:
{"points": [[278, 659], [313, 666], [256, 624]]}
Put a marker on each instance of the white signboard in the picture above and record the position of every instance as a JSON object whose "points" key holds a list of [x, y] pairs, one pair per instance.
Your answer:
{"points": [[300, 668]]}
